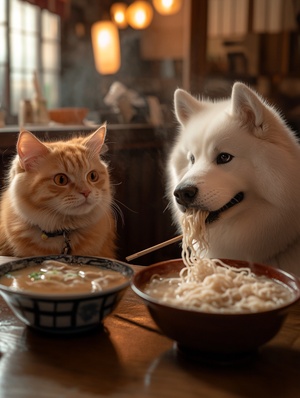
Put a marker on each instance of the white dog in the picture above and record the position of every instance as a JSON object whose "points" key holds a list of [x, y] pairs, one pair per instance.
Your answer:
{"points": [[238, 159]]}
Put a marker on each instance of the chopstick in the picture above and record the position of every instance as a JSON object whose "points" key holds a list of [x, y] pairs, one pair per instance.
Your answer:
{"points": [[153, 248]]}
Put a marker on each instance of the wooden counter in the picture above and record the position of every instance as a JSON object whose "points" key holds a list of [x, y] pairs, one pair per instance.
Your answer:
{"points": [[131, 358]]}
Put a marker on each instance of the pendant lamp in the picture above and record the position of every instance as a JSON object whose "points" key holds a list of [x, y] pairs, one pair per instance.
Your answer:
{"points": [[167, 7], [139, 14], [106, 47], [118, 14]]}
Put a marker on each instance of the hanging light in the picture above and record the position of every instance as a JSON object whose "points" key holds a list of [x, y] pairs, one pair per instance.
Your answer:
{"points": [[167, 7], [139, 14], [118, 14], [106, 47]]}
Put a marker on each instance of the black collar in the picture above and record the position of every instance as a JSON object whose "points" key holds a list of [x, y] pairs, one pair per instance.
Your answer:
{"points": [[46, 235], [66, 235]]}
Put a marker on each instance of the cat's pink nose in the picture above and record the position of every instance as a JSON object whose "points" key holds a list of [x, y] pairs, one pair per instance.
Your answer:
{"points": [[85, 193]]}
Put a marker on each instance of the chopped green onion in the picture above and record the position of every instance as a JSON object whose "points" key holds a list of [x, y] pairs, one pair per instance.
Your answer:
{"points": [[36, 275]]}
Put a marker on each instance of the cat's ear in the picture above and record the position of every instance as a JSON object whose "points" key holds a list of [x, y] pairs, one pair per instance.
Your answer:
{"points": [[30, 149], [95, 141]]}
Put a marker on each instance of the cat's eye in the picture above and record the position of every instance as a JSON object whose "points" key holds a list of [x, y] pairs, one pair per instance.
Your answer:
{"points": [[224, 157], [61, 179], [93, 176]]}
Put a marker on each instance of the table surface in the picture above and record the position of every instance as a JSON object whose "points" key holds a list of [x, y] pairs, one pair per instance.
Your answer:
{"points": [[131, 358]]}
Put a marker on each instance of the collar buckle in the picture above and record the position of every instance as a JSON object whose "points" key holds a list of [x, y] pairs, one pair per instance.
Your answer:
{"points": [[66, 235], [67, 247]]}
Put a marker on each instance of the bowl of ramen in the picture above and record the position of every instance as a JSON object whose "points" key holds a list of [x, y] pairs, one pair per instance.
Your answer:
{"points": [[63, 293], [217, 309]]}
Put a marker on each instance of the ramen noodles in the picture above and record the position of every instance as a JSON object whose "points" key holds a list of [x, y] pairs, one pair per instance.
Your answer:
{"points": [[210, 285], [57, 277]]}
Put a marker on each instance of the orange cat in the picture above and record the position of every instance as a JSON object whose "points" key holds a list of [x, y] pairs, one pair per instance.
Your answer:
{"points": [[58, 199]]}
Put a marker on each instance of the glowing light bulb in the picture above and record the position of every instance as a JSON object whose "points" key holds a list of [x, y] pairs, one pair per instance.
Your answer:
{"points": [[167, 7], [106, 47], [139, 14], [104, 38], [118, 11], [140, 18], [119, 17]]}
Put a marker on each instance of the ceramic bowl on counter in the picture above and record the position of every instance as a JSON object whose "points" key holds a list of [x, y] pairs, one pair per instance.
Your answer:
{"points": [[71, 116], [212, 334], [64, 311]]}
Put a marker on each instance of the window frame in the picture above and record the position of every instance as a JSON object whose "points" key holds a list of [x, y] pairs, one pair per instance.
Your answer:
{"points": [[42, 70]]}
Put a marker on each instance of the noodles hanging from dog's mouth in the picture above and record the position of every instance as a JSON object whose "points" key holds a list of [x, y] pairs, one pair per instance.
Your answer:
{"points": [[210, 285], [195, 241]]}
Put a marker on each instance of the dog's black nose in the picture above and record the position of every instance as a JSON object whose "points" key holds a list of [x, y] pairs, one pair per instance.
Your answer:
{"points": [[185, 194]]}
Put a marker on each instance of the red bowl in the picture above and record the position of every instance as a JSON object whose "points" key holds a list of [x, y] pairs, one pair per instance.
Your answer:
{"points": [[216, 333]]}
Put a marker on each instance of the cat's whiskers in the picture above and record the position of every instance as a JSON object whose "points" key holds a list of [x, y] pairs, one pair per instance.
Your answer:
{"points": [[108, 210], [117, 211], [126, 207], [115, 184]]}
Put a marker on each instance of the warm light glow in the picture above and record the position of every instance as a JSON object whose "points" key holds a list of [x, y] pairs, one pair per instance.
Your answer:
{"points": [[167, 7], [106, 47], [139, 14], [118, 11]]}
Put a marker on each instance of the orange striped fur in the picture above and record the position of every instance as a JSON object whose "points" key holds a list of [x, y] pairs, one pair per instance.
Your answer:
{"points": [[55, 186]]}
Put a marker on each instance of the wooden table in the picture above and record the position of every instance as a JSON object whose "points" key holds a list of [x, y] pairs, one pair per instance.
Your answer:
{"points": [[131, 358]]}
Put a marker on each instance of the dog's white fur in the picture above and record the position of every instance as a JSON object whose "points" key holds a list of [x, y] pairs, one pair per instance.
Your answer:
{"points": [[265, 226]]}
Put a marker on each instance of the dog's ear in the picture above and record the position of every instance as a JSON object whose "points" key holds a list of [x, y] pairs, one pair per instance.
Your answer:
{"points": [[185, 106], [247, 105]]}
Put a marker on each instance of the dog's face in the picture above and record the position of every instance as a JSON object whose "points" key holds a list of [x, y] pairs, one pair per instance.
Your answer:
{"points": [[207, 165], [218, 159], [238, 160]]}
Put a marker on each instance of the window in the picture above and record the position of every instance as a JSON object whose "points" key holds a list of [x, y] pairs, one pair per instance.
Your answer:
{"points": [[29, 42]]}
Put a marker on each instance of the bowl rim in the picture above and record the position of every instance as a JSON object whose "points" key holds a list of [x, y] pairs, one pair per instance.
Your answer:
{"points": [[69, 108], [67, 296], [147, 298]]}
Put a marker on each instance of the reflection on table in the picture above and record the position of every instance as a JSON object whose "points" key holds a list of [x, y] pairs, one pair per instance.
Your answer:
{"points": [[131, 358]]}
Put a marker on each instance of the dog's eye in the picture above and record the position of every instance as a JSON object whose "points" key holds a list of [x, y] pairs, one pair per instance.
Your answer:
{"points": [[192, 158], [224, 158]]}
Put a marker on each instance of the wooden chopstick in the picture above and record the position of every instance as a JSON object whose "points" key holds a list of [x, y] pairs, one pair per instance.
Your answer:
{"points": [[153, 248]]}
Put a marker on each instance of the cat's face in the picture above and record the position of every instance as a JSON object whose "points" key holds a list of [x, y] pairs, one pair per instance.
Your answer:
{"points": [[65, 179]]}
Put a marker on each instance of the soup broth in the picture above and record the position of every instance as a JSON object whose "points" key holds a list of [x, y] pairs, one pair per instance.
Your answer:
{"points": [[57, 277]]}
